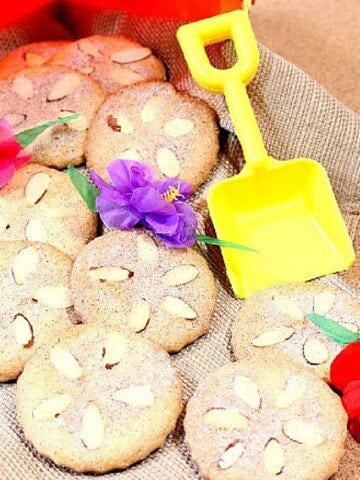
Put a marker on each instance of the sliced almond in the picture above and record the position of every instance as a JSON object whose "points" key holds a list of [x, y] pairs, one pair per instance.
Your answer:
{"points": [[114, 349], [130, 54], [36, 187], [272, 337], [34, 59], [228, 419], [232, 453], [87, 70], [147, 249], [92, 427], [88, 47], [35, 231], [54, 296], [179, 308], [131, 154], [247, 390], [139, 316], [140, 396], [3, 224], [64, 87], [287, 306], [180, 275], [274, 457], [178, 127], [315, 351], [109, 274], [65, 363], [323, 302], [52, 407], [303, 432], [168, 162], [151, 109], [24, 264], [293, 391], [23, 87], [124, 76], [15, 119], [80, 124], [120, 124], [22, 330]]}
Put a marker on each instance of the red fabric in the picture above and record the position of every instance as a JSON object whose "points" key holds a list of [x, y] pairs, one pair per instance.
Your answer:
{"points": [[16, 11]]}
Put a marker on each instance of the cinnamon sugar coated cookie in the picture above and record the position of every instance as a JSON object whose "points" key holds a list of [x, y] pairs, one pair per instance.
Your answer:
{"points": [[39, 94], [175, 133], [113, 61], [34, 296], [30, 55], [275, 320], [125, 279], [97, 399], [263, 419], [40, 204]]}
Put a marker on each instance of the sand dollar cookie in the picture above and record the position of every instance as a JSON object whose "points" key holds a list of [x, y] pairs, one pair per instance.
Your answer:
{"points": [[34, 295], [125, 279], [113, 61], [30, 55], [275, 320], [97, 399], [263, 419], [39, 94], [174, 133], [40, 204]]}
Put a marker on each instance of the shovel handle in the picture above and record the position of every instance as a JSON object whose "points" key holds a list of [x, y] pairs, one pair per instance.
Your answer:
{"points": [[236, 26]]}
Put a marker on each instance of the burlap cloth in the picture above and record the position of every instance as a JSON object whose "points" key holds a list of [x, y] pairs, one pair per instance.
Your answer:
{"points": [[297, 118]]}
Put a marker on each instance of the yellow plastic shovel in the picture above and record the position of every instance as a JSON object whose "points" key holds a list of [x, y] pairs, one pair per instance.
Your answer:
{"points": [[284, 209]]}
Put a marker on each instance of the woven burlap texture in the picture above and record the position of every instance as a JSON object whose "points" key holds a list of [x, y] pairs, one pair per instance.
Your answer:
{"points": [[297, 119]]}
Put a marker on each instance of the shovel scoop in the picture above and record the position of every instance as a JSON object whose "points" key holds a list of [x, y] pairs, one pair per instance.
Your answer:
{"points": [[286, 210]]}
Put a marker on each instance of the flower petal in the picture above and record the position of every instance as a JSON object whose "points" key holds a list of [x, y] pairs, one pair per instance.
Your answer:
{"points": [[7, 171], [181, 186], [113, 215], [351, 398], [162, 224], [6, 132], [354, 428], [185, 235], [346, 366], [126, 175], [147, 199], [108, 191], [22, 158]]}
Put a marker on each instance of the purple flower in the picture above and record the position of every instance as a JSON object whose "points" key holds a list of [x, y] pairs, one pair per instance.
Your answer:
{"points": [[135, 198]]}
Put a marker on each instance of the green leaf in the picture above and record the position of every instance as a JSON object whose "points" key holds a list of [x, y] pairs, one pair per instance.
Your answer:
{"points": [[85, 188], [332, 329], [223, 243], [28, 136]]}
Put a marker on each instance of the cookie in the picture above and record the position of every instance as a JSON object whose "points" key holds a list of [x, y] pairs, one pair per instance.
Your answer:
{"points": [[97, 399], [275, 320], [263, 419], [174, 133], [113, 61], [38, 94], [125, 279], [41, 204], [35, 293], [30, 55]]}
